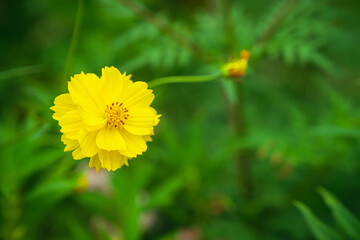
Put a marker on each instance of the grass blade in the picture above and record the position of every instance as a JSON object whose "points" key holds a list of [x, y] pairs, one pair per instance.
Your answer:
{"points": [[345, 219], [320, 230]]}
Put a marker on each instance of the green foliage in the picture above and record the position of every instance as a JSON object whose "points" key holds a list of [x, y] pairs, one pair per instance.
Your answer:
{"points": [[349, 224], [303, 34], [345, 219], [320, 230]]}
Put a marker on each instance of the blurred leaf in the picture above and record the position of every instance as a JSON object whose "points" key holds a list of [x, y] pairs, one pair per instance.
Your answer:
{"points": [[346, 220], [319, 229]]}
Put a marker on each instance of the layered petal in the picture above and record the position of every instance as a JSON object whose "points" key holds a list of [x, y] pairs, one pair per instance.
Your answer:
{"points": [[114, 84], [95, 162], [78, 154], [69, 143], [86, 91], [87, 141], [157, 117], [138, 95], [135, 145], [148, 138], [109, 138], [71, 124], [92, 119], [63, 104], [111, 160], [140, 121]]}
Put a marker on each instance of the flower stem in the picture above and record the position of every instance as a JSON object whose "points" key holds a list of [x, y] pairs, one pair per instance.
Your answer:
{"points": [[233, 95], [183, 79]]}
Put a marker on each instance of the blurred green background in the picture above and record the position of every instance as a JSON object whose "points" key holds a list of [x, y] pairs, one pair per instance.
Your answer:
{"points": [[300, 124]]}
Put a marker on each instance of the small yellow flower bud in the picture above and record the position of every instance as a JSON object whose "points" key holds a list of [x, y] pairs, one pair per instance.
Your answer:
{"points": [[237, 67], [245, 54]]}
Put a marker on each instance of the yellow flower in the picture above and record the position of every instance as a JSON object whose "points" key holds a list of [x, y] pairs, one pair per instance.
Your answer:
{"points": [[237, 67], [108, 119]]}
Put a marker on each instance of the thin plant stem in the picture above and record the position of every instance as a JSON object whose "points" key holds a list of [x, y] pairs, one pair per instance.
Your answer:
{"points": [[243, 155], [183, 79], [73, 43], [236, 109], [234, 102]]}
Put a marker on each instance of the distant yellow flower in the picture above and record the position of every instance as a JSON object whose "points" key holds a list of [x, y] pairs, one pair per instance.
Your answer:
{"points": [[237, 67], [108, 119]]}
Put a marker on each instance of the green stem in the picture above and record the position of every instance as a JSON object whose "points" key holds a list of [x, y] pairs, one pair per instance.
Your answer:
{"points": [[183, 79], [73, 43], [233, 95]]}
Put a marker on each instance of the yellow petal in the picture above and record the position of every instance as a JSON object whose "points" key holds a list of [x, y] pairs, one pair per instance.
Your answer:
{"points": [[137, 95], [148, 138], [71, 124], [140, 121], [77, 154], [109, 138], [87, 142], [95, 162], [63, 104], [157, 117], [86, 91], [70, 143], [111, 160], [113, 84], [135, 145], [93, 119]]}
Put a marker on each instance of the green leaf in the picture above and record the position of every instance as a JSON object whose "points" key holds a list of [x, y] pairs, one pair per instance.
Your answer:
{"points": [[345, 219], [320, 230]]}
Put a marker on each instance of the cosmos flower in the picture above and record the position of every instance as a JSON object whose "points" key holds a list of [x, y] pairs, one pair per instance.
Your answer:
{"points": [[237, 67], [108, 119]]}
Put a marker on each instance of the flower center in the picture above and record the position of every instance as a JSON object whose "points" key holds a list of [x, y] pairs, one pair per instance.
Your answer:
{"points": [[116, 115]]}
